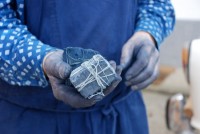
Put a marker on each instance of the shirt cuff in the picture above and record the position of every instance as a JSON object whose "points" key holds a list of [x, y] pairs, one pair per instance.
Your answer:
{"points": [[152, 28], [42, 80]]}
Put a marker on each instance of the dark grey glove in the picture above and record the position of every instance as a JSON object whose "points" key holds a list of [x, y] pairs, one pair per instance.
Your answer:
{"points": [[57, 71], [141, 57]]}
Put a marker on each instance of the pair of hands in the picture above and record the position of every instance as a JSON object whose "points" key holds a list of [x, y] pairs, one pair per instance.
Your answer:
{"points": [[140, 48], [58, 71]]}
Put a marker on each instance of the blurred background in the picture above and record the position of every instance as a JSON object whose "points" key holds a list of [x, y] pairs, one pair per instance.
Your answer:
{"points": [[172, 79]]}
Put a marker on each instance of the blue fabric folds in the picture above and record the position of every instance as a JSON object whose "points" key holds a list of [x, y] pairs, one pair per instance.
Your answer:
{"points": [[103, 25], [125, 117]]}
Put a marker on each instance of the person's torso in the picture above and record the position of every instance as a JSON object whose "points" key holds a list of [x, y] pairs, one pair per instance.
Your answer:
{"points": [[102, 25]]}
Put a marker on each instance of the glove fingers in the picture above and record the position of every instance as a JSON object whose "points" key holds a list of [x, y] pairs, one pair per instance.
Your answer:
{"points": [[54, 65], [60, 70], [64, 70], [141, 62], [119, 70], [58, 88], [73, 98], [147, 72], [126, 54], [144, 84], [113, 64]]}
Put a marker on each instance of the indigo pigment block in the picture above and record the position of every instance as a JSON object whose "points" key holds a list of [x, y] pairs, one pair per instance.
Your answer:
{"points": [[93, 77], [75, 56]]}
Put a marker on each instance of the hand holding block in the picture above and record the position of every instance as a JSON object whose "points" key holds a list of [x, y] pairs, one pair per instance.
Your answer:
{"points": [[93, 77]]}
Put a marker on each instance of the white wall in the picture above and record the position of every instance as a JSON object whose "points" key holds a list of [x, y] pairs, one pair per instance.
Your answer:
{"points": [[187, 28], [187, 9]]}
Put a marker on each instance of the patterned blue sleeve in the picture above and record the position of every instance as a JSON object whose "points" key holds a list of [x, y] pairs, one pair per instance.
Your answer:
{"points": [[21, 53], [156, 17]]}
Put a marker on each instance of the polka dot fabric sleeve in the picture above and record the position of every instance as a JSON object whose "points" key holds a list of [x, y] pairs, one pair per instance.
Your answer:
{"points": [[21, 53], [155, 17]]}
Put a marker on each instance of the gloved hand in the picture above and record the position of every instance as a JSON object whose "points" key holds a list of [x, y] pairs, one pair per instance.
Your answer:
{"points": [[58, 71], [140, 56]]}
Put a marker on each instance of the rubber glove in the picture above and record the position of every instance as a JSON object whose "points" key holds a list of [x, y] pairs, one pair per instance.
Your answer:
{"points": [[58, 71], [140, 57]]}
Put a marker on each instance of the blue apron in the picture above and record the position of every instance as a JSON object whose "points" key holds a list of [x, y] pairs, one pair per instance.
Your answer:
{"points": [[103, 25]]}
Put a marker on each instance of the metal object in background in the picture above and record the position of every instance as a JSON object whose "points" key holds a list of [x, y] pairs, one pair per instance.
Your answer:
{"points": [[175, 117]]}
